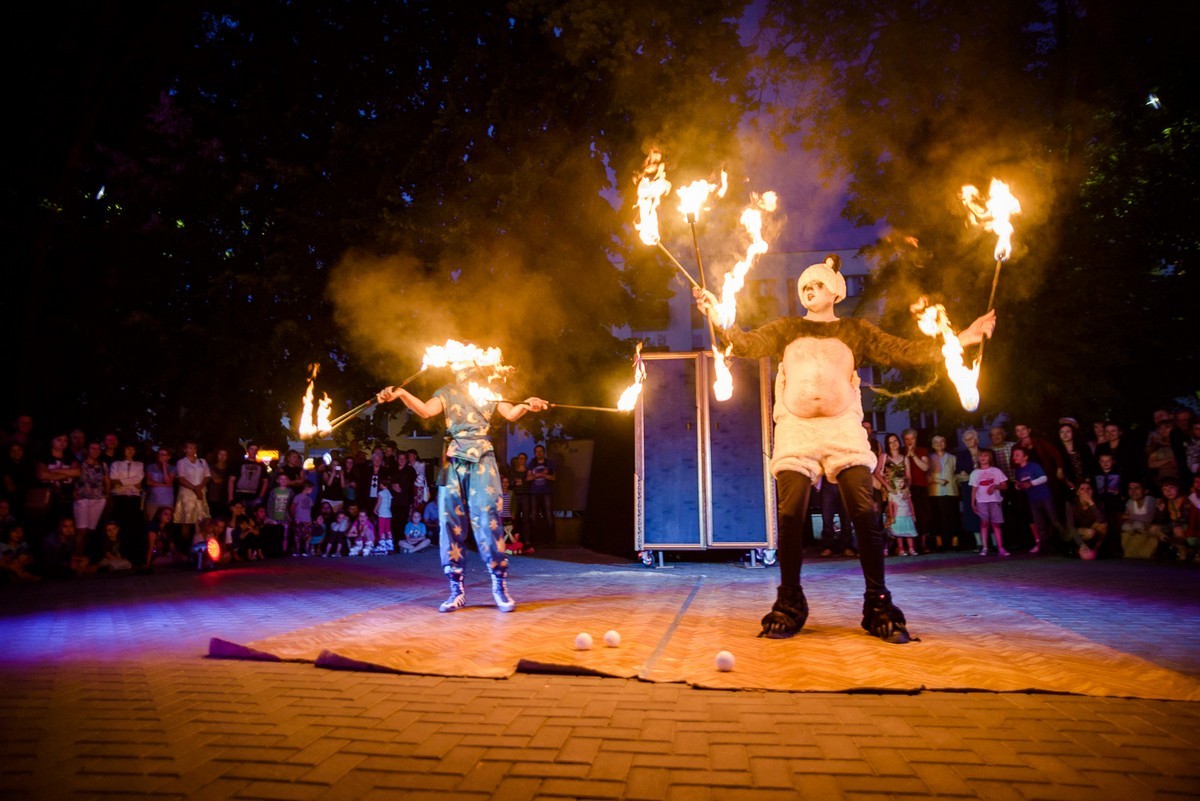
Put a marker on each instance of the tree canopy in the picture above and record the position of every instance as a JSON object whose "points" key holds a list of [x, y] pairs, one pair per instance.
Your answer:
{"points": [[1086, 109], [208, 200], [205, 201]]}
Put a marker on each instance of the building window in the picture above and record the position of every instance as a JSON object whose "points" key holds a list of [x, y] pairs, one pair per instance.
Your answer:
{"points": [[856, 285], [872, 376], [923, 421]]}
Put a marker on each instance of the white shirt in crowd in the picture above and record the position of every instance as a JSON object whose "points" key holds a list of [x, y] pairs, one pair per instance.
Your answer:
{"points": [[130, 473]]}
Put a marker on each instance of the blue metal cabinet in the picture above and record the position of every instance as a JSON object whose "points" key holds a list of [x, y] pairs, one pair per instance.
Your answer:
{"points": [[702, 478]]}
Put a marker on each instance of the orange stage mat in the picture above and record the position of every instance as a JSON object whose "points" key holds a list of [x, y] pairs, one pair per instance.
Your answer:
{"points": [[672, 626]]}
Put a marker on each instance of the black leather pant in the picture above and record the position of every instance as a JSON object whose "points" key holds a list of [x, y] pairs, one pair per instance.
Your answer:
{"points": [[854, 484]]}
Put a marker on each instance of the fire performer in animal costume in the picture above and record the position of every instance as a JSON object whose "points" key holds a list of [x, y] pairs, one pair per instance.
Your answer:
{"points": [[818, 431], [469, 491]]}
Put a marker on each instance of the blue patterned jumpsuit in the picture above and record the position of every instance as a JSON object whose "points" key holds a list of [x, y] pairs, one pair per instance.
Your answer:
{"points": [[469, 493]]}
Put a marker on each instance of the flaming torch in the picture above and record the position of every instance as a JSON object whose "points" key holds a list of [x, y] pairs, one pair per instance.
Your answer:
{"points": [[735, 279], [932, 320], [652, 185], [691, 200], [994, 215]]}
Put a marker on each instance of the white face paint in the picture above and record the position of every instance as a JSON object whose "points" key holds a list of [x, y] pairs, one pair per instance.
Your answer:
{"points": [[816, 297]]}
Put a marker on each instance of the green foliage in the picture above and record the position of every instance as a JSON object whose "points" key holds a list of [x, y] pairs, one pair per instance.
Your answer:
{"points": [[913, 100], [246, 157]]}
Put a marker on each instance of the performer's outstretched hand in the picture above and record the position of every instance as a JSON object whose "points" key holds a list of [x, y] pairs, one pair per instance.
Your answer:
{"points": [[976, 331], [705, 300], [536, 404], [388, 394]]}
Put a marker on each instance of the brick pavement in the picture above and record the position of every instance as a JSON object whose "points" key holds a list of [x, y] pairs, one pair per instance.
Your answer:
{"points": [[109, 698]]}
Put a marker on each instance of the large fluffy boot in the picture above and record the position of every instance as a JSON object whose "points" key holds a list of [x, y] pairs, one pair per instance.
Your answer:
{"points": [[458, 595], [504, 601], [787, 615], [883, 619]]}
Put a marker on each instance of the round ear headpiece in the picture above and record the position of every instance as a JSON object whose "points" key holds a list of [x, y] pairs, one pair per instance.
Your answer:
{"points": [[829, 273]]}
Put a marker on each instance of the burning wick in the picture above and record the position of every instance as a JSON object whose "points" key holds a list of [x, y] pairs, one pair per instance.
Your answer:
{"points": [[932, 320]]}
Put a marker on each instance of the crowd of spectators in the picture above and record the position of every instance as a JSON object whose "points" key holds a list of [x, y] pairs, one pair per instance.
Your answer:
{"points": [[75, 506], [1088, 495]]}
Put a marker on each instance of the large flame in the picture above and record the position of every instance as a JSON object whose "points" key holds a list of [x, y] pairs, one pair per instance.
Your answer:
{"points": [[723, 382], [629, 397], [735, 279], [460, 356], [932, 320], [652, 185], [311, 425], [307, 428], [693, 196], [324, 406], [994, 214]]}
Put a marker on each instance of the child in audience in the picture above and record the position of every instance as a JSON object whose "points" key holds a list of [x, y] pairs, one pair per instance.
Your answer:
{"points": [[1140, 535], [15, 557], [383, 515], [361, 535], [112, 559], [414, 535], [987, 482], [279, 506], [335, 536], [301, 519]]}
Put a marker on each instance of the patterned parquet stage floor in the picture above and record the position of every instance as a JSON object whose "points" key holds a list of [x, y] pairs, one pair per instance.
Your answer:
{"points": [[672, 624]]}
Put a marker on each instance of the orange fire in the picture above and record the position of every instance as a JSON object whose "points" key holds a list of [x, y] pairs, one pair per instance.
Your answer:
{"points": [[932, 320], [652, 185], [735, 279], [308, 425], [693, 196], [723, 382], [994, 214], [460, 356], [629, 397], [482, 394]]}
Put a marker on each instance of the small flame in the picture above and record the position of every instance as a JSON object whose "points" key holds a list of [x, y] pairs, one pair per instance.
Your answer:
{"points": [[629, 397], [735, 279], [482, 394], [323, 409], [994, 214], [723, 383], [652, 185], [306, 427], [459, 356], [693, 196], [932, 321]]}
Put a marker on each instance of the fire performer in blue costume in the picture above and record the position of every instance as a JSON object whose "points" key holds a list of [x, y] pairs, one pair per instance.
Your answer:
{"points": [[469, 490]]}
